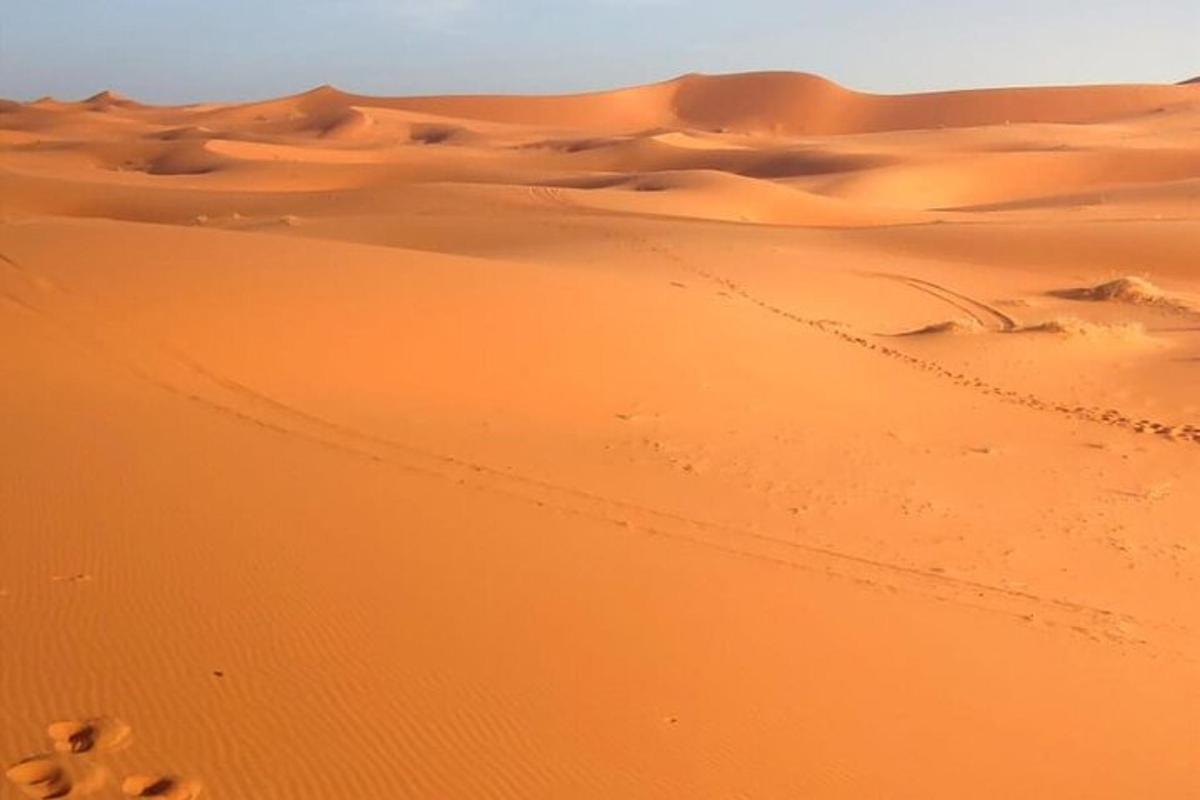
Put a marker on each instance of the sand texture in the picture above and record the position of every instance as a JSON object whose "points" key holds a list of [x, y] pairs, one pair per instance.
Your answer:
{"points": [[731, 437]]}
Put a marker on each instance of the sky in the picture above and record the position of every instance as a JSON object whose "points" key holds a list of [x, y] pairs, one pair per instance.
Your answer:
{"points": [[194, 50]]}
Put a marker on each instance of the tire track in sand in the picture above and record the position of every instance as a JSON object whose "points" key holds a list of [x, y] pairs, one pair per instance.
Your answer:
{"points": [[1174, 432], [986, 315], [185, 377], [550, 195]]}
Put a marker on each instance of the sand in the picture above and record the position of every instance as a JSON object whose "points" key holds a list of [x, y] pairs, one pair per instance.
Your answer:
{"points": [[736, 436]]}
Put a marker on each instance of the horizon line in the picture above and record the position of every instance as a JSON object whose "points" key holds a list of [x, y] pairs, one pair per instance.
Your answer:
{"points": [[111, 92]]}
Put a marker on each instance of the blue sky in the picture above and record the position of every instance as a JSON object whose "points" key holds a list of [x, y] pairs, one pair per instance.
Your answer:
{"points": [[185, 50]]}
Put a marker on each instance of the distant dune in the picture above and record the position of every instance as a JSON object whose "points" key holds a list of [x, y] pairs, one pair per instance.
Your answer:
{"points": [[779, 102], [732, 436]]}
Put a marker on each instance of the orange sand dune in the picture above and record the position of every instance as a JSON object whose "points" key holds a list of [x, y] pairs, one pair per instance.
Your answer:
{"points": [[790, 103], [735, 436]]}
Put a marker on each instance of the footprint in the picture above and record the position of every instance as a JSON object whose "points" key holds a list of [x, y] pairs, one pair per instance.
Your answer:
{"points": [[169, 787], [101, 734], [78, 577], [41, 776], [50, 775]]}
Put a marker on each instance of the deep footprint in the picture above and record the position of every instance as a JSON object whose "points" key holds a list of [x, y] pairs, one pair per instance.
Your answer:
{"points": [[100, 734], [166, 786], [41, 777]]}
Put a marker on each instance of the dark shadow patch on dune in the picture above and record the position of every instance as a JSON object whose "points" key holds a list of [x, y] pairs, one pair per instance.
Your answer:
{"points": [[649, 182], [43, 145], [575, 145], [187, 133], [432, 133], [802, 164], [587, 182], [1031, 147], [347, 123], [167, 167]]}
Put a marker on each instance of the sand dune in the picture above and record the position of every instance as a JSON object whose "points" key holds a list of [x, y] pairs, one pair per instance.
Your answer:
{"points": [[733, 436], [994, 179], [786, 103], [712, 194]]}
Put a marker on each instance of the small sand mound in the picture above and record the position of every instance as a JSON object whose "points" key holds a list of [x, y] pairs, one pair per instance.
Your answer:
{"points": [[1124, 290], [1133, 290], [952, 327]]}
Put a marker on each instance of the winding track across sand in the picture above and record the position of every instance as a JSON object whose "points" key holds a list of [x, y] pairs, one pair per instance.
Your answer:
{"points": [[1187, 432], [986, 315], [176, 372]]}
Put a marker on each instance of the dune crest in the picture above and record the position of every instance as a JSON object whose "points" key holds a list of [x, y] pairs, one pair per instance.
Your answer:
{"points": [[782, 103], [109, 99]]}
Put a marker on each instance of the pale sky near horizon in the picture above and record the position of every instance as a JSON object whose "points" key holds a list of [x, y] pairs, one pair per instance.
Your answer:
{"points": [[191, 50]]}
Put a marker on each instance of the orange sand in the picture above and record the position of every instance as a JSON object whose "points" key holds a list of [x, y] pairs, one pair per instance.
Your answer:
{"points": [[736, 436]]}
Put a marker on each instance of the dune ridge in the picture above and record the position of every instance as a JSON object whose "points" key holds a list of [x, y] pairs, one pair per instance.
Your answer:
{"points": [[792, 103]]}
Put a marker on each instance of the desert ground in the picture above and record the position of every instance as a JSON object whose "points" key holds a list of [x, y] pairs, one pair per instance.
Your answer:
{"points": [[735, 436]]}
